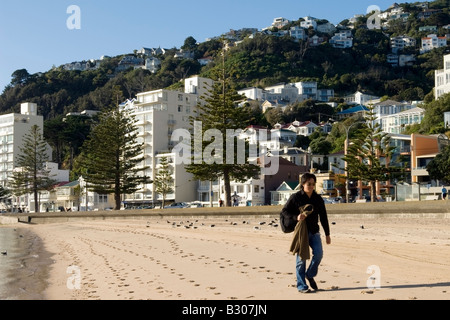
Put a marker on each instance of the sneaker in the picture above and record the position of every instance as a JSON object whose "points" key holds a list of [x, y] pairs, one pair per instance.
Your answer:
{"points": [[313, 283], [306, 291]]}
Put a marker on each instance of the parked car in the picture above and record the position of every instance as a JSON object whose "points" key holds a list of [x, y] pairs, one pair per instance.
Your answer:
{"points": [[177, 205], [195, 205]]}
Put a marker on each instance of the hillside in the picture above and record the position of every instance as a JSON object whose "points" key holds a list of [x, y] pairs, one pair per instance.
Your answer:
{"points": [[260, 61]]}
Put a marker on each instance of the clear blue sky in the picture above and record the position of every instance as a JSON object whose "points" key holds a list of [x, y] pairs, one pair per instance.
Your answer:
{"points": [[34, 34]]}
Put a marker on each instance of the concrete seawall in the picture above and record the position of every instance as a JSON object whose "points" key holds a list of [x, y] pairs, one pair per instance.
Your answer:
{"points": [[8, 220], [418, 209]]}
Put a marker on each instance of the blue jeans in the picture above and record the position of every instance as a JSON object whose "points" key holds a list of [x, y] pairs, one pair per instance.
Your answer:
{"points": [[317, 253]]}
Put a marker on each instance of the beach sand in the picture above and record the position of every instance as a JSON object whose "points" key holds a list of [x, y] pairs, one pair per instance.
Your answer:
{"points": [[233, 259]]}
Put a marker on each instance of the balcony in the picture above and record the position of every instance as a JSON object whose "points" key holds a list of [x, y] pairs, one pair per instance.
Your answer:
{"points": [[405, 150], [419, 172]]}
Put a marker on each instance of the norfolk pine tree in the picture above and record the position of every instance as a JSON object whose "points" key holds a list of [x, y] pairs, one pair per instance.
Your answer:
{"points": [[4, 194], [365, 153], [111, 156], [163, 180], [32, 175], [220, 111]]}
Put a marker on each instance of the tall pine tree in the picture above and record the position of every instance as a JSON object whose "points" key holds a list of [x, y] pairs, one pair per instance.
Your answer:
{"points": [[112, 157], [164, 183], [31, 176], [369, 155], [221, 117]]}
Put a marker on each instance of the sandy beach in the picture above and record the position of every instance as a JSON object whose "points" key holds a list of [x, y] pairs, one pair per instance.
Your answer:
{"points": [[233, 259]]}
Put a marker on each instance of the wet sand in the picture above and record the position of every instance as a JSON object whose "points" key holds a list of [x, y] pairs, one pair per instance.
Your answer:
{"points": [[24, 265]]}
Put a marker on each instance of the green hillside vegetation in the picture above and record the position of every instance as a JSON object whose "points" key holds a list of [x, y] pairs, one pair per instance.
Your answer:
{"points": [[260, 61]]}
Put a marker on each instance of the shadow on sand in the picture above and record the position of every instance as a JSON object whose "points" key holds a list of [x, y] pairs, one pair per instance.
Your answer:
{"points": [[400, 286]]}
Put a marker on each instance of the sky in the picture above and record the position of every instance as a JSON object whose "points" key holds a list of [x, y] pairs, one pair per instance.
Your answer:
{"points": [[37, 35]]}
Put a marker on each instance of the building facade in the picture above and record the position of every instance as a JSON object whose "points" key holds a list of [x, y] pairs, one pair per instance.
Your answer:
{"points": [[159, 113], [13, 128], [442, 79]]}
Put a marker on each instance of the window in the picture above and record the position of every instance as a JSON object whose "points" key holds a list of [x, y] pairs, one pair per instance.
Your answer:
{"points": [[256, 189], [328, 184], [180, 108]]}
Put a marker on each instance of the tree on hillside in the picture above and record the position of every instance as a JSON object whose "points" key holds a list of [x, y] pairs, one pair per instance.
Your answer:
{"points": [[433, 121], [19, 77], [32, 176], [111, 156], [164, 183], [220, 113], [369, 155], [439, 167], [190, 44]]}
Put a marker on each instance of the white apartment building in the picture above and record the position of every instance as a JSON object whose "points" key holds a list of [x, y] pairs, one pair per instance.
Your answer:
{"points": [[307, 89], [13, 128], [401, 42], [309, 22], [152, 64], [324, 95], [298, 33], [442, 79], [432, 41], [280, 22], [397, 123], [252, 93], [361, 98], [341, 40], [281, 92], [159, 113], [291, 92], [390, 107]]}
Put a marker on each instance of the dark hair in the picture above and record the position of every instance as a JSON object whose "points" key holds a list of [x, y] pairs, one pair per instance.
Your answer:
{"points": [[306, 177]]}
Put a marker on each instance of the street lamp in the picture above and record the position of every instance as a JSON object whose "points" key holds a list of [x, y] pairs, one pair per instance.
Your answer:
{"points": [[311, 170], [347, 144]]}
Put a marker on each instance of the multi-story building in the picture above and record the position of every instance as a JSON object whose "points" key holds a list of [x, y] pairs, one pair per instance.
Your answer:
{"points": [[280, 22], [361, 98], [432, 41], [13, 128], [281, 92], [309, 22], [401, 42], [298, 33], [341, 40], [307, 90], [442, 79], [398, 122], [253, 93], [159, 113]]}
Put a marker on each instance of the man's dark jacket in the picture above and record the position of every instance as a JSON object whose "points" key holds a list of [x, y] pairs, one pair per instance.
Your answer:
{"points": [[291, 211]]}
